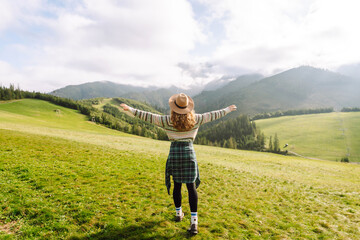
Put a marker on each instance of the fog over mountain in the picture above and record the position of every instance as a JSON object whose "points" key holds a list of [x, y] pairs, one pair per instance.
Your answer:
{"points": [[351, 70]]}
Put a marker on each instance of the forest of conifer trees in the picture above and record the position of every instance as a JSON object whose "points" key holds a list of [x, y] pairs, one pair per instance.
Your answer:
{"points": [[238, 133]]}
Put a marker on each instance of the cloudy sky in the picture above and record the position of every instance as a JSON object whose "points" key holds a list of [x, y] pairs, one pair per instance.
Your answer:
{"points": [[48, 44]]}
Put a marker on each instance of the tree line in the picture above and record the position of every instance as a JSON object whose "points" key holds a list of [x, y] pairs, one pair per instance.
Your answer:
{"points": [[350, 109], [291, 113], [10, 93]]}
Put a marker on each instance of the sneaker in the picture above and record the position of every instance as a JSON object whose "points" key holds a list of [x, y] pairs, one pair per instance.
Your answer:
{"points": [[179, 218], [193, 229]]}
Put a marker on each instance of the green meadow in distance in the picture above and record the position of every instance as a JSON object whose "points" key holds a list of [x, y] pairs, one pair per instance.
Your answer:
{"points": [[329, 136]]}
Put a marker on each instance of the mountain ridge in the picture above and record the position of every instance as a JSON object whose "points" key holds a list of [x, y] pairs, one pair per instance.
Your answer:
{"points": [[301, 87], [96, 89]]}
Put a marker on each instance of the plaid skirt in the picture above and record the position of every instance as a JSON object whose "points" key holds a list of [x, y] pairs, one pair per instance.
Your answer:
{"points": [[182, 164]]}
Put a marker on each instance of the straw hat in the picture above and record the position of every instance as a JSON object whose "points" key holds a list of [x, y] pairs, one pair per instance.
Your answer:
{"points": [[181, 103]]}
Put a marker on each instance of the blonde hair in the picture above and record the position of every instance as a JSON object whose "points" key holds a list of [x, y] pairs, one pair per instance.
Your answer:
{"points": [[183, 122]]}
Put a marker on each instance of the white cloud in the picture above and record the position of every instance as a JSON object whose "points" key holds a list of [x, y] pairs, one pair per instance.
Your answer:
{"points": [[137, 42], [264, 35], [164, 42], [13, 13], [9, 75], [6, 16]]}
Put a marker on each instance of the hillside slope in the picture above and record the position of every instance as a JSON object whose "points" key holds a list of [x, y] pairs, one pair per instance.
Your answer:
{"points": [[99, 103], [217, 99], [64, 177], [329, 136]]}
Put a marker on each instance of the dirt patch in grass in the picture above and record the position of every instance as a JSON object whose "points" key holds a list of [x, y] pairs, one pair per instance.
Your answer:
{"points": [[9, 228]]}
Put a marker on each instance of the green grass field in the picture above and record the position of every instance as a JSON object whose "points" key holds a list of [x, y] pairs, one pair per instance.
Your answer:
{"points": [[328, 136], [62, 177]]}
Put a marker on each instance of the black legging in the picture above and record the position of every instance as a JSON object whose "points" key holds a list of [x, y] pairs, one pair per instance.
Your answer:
{"points": [[193, 197]]}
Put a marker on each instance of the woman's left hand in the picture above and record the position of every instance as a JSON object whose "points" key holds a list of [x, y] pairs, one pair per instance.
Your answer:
{"points": [[125, 107], [232, 108]]}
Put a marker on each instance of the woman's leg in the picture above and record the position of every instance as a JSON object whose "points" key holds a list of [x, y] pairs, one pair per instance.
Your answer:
{"points": [[177, 194], [193, 196], [177, 201], [193, 201]]}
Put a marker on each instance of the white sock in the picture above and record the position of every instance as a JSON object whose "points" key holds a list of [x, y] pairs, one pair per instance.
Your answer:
{"points": [[178, 211], [194, 218]]}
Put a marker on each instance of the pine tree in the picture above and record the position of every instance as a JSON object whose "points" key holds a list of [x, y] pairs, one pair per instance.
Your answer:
{"points": [[143, 132], [262, 142], [18, 93], [271, 149], [226, 143], [1, 93], [12, 91], [7, 94], [276, 144], [232, 143]]}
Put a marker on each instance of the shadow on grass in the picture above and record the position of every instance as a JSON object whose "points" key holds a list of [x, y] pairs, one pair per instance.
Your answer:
{"points": [[145, 230]]}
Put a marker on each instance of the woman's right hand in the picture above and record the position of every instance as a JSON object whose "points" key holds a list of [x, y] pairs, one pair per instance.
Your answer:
{"points": [[125, 107], [232, 108]]}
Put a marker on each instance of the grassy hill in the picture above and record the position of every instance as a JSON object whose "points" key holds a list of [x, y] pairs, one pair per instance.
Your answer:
{"points": [[327, 136], [62, 177], [108, 112], [99, 103]]}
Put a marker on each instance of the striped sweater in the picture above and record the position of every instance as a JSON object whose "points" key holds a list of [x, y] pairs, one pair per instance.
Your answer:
{"points": [[173, 134]]}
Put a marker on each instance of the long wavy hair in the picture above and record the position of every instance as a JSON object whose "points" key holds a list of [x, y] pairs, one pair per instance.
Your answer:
{"points": [[183, 122]]}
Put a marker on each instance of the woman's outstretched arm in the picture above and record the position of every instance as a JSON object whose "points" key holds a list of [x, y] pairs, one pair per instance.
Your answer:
{"points": [[155, 119], [211, 116]]}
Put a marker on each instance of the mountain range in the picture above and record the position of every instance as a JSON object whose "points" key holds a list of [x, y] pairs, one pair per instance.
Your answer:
{"points": [[97, 89], [153, 95], [302, 87]]}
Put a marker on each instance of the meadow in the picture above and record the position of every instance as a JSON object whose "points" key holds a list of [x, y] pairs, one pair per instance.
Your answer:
{"points": [[63, 177], [329, 136]]}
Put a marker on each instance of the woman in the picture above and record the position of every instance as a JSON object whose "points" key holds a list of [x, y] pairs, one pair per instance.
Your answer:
{"points": [[181, 127]]}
